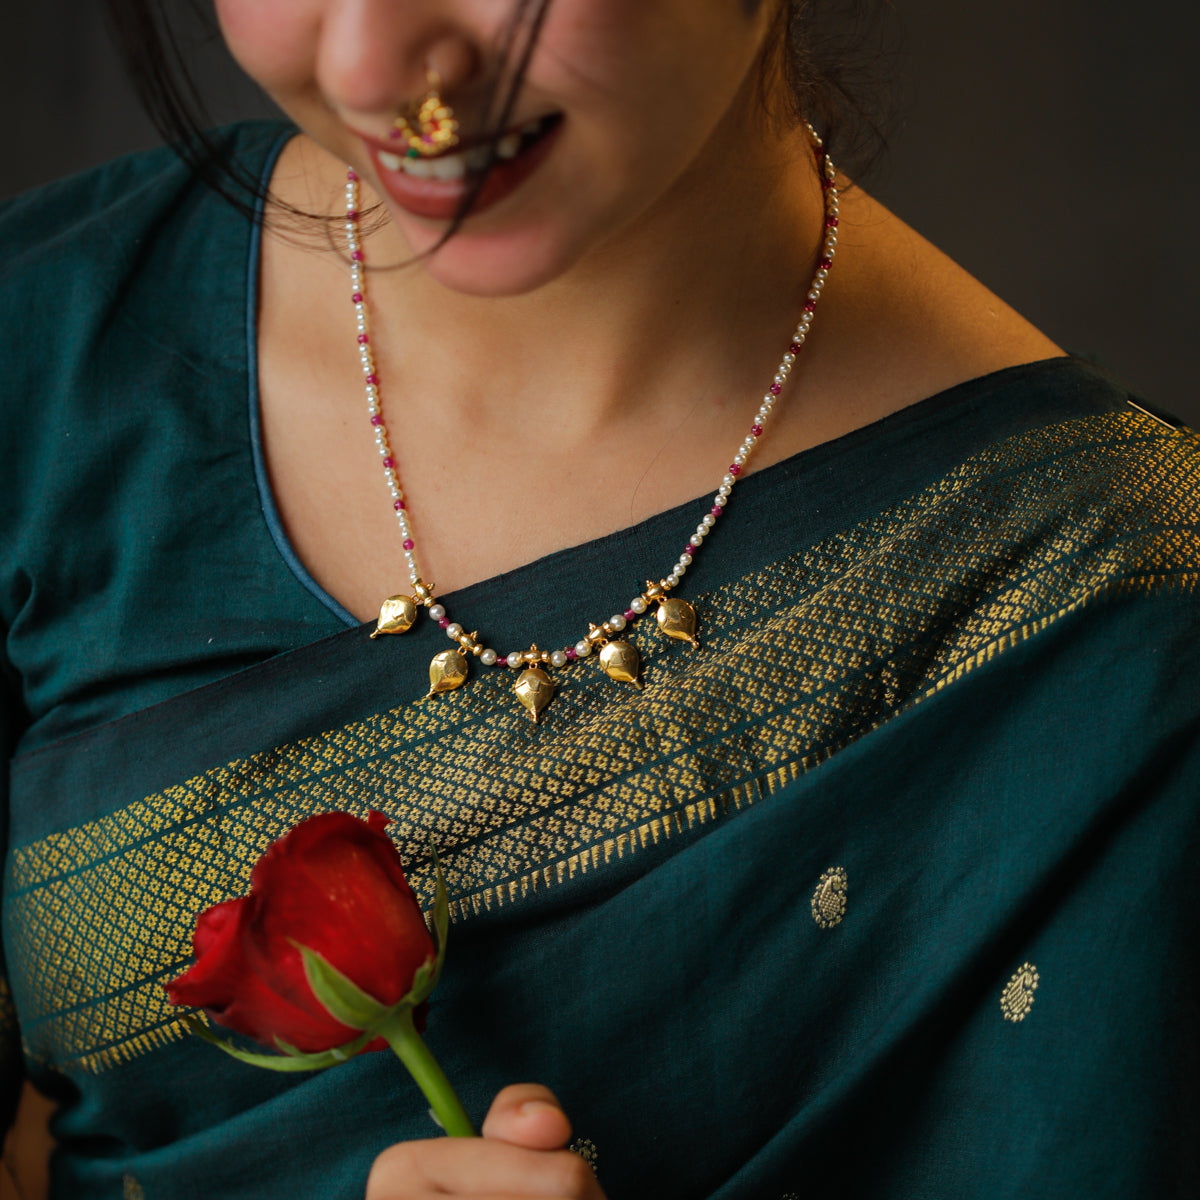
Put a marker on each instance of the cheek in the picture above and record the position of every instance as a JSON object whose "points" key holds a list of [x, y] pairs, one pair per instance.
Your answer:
{"points": [[273, 41]]}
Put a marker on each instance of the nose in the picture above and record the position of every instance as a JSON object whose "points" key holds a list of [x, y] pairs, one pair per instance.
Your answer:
{"points": [[376, 56]]}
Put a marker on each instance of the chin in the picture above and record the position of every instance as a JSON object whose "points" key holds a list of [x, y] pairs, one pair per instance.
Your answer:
{"points": [[504, 262]]}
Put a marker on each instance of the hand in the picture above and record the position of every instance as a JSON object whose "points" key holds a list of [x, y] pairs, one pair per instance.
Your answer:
{"points": [[521, 1154]]}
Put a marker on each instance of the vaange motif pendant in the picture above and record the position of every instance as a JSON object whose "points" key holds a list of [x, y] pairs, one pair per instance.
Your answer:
{"points": [[535, 687]]}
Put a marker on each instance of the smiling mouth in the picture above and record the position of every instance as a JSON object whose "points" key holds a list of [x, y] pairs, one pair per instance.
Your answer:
{"points": [[457, 164]]}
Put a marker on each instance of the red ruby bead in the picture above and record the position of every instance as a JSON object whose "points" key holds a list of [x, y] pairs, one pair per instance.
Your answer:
{"points": [[357, 256], [444, 623], [363, 339], [831, 223], [630, 615], [399, 506], [408, 543], [571, 653], [810, 306], [389, 462], [352, 176], [775, 389], [372, 378], [826, 264], [716, 510], [794, 348], [376, 420], [352, 214], [357, 297], [734, 469], [756, 430]]}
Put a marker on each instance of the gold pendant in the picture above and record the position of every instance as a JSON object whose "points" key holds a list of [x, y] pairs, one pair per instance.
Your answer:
{"points": [[535, 689], [677, 619], [447, 671], [621, 661], [396, 615]]}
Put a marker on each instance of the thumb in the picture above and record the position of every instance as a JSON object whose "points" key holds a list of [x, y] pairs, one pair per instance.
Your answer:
{"points": [[527, 1114]]}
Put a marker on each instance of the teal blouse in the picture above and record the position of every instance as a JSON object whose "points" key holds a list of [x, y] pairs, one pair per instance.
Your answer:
{"points": [[889, 888]]}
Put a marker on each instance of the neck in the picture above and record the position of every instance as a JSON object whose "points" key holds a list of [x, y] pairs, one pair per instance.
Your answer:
{"points": [[687, 304]]}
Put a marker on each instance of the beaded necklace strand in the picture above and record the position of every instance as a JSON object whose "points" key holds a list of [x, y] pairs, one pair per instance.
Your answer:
{"points": [[618, 657]]}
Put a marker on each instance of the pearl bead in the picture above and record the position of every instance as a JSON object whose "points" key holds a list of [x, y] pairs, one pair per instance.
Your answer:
{"points": [[583, 648], [638, 605], [789, 358], [454, 631], [558, 659], [727, 482], [725, 488], [720, 501], [488, 657], [437, 612], [617, 621], [709, 521], [515, 659]]}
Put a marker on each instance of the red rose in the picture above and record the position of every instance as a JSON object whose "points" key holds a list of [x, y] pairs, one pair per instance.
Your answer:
{"points": [[333, 884]]}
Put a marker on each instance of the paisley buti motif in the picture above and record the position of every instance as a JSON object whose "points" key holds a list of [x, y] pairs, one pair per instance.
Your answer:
{"points": [[829, 899], [1017, 998]]}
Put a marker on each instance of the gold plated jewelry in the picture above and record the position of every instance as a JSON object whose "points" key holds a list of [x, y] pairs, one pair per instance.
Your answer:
{"points": [[428, 127]]}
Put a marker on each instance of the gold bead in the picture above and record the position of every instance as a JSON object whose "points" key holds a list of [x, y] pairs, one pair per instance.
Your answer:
{"points": [[467, 642], [535, 689], [677, 619], [595, 633], [396, 615], [621, 661], [447, 671], [423, 592]]}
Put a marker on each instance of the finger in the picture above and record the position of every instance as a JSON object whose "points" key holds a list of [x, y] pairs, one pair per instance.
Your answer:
{"points": [[479, 1167], [527, 1114]]}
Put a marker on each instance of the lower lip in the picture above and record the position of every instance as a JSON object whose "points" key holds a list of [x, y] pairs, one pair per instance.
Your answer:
{"points": [[441, 199]]}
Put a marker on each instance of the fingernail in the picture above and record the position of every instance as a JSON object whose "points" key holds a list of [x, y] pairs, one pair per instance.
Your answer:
{"points": [[530, 1107]]}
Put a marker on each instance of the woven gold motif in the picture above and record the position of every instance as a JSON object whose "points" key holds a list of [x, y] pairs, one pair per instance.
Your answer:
{"points": [[1018, 996], [800, 660], [829, 900], [586, 1149]]}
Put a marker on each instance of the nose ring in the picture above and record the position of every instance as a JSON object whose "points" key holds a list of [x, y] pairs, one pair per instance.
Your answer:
{"points": [[427, 127]]}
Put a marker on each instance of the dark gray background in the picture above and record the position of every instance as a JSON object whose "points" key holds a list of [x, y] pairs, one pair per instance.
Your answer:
{"points": [[1048, 145]]}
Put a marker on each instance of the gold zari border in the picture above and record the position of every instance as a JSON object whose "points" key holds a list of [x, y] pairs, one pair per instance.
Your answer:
{"points": [[800, 660]]}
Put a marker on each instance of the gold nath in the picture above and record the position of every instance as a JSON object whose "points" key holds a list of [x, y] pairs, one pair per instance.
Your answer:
{"points": [[429, 126]]}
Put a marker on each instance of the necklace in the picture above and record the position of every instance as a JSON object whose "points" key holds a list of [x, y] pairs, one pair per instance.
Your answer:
{"points": [[617, 656]]}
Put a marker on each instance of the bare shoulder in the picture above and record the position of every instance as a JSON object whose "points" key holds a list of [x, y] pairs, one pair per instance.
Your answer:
{"points": [[901, 321]]}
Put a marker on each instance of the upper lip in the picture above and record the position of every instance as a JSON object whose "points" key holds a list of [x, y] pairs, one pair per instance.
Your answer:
{"points": [[390, 146]]}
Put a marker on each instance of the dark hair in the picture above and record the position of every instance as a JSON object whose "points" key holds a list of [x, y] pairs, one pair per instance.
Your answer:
{"points": [[830, 52]]}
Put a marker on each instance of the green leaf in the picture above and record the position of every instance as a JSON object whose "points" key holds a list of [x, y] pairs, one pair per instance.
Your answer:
{"points": [[441, 912], [342, 998], [430, 971], [291, 1060]]}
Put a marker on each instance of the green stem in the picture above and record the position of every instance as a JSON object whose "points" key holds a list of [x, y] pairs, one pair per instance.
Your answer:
{"points": [[404, 1039]]}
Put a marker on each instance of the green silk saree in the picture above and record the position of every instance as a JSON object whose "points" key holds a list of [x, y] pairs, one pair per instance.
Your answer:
{"points": [[890, 888]]}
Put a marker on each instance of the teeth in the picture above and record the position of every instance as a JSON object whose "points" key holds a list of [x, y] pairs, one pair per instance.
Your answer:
{"points": [[509, 146], [390, 161], [420, 168], [449, 166]]}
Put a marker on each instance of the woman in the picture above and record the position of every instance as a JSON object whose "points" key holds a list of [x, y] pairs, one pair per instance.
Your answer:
{"points": [[886, 886]]}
